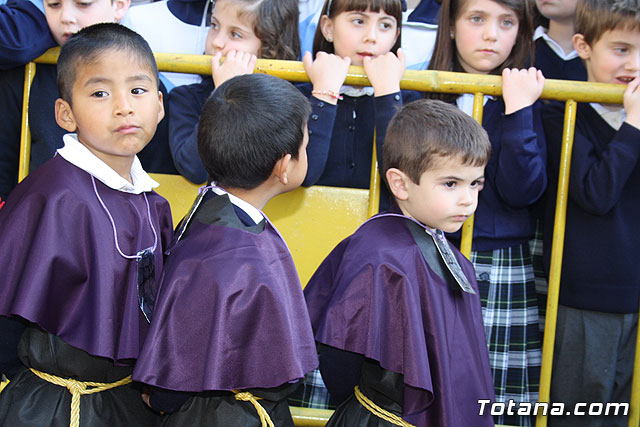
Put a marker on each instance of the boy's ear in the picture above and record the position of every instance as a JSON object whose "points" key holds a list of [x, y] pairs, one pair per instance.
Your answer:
{"points": [[121, 9], [581, 46], [64, 116], [161, 110], [326, 27], [397, 181], [280, 169]]}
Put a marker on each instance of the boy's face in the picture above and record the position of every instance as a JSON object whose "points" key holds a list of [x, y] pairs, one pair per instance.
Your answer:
{"points": [[614, 58], [231, 30], [66, 17], [115, 106], [557, 10], [446, 196]]}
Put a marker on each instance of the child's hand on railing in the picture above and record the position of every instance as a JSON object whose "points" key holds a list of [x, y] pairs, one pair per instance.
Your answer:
{"points": [[327, 73], [521, 88], [385, 72], [236, 63], [631, 99]]}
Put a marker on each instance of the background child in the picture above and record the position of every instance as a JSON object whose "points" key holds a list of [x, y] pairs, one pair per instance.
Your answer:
{"points": [[74, 237], [343, 118], [493, 37], [230, 279], [241, 30], [599, 292], [389, 315], [64, 18], [555, 55]]}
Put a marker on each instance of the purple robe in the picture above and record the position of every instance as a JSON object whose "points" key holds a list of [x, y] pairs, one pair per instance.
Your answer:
{"points": [[230, 314], [376, 295], [59, 263]]}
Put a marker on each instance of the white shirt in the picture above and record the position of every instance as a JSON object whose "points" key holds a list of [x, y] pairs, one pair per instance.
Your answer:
{"points": [[541, 32], [614, 117], [248, 208], [79, 155]]}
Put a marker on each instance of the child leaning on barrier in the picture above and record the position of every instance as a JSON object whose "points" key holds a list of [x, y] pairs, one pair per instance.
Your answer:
{"points": [[395, 307], [241, 31], [230, 335], [600, 283], [81, 236]]}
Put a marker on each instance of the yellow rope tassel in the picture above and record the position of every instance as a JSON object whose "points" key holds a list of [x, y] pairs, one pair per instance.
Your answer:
{"points": [[245, 396], [77, 389], [378, 411]]}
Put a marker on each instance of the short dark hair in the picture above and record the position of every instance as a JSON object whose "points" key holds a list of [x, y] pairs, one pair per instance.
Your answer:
{"points": [[333, 8], [276, 25], [596, 17], [427, 129], [88, 44], [444, 56], [249, 123]]}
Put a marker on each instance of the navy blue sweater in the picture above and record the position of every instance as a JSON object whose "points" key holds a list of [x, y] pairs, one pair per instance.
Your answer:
{"points": [[341, 136], [600, 270], [515, 177], [186, 103], [554, 67], [24, 34], [46, 135]]}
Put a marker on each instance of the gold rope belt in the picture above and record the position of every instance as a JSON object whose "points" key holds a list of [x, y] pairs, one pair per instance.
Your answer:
{"points": [[245, 396], [77, 389], [378, 411]]}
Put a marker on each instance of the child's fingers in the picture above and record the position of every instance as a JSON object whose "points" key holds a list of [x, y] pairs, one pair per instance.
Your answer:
{"points": [[215, 61], [402, 57]]}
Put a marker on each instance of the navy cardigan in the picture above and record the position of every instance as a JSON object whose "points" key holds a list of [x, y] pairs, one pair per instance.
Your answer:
{"points": [[554, 67], [515, 177], [600, 270]]}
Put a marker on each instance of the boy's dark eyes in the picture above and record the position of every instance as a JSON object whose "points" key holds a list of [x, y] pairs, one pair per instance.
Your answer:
{"points": [[99, 94], [450, 184], [138, 91]]}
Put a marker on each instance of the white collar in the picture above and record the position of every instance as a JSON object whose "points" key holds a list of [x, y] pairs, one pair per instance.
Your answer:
{"points": [[465, 102], [356, 90], [249, 209], [614, 118], [77, 154], [541, 32]]}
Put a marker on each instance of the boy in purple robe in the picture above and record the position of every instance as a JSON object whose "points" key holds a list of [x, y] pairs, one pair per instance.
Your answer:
{"points": [[81, 237], [230, 335], [395, 307]]}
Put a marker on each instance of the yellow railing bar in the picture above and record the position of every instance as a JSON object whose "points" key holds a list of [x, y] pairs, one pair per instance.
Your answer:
{"points": [[25, 134], [309, 417], [467, 227], [374, 182], [556, 256], [421, 80]]}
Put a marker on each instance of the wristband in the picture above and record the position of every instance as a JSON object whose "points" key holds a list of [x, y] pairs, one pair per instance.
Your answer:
{"points": [[330, 93]]}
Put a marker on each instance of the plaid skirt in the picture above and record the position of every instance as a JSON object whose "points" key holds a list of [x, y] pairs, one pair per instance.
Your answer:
{"points": [[510, 313]]}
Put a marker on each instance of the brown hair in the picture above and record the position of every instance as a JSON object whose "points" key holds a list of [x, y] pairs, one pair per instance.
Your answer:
{"points": [[595, 17], [444, 56], [275, 23], [333, 8], [425, 130]]}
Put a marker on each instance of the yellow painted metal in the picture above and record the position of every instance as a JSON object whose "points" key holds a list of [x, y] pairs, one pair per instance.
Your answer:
{"points": [[422, 80], [179, 191], [467, 228], [556, 256], [25, 134], [374, 182], [634, 410], [307, 417], [3, 384]]}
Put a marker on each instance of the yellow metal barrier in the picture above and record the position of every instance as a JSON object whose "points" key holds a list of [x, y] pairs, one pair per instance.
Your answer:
{"points": [[430, 81]]}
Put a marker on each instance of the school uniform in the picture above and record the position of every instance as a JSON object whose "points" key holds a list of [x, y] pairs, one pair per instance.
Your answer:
{"points": [[554, 62], [230, 318], [46, 135], [67, 230], [419, 30], [384, 294], [341, 136], [515, 178], [600, 281], [24, 33], [186, 103]]}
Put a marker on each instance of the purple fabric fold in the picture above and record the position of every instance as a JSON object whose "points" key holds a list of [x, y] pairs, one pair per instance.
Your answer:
{"points": [[60, 266], [375, 295], [230, 314]]}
